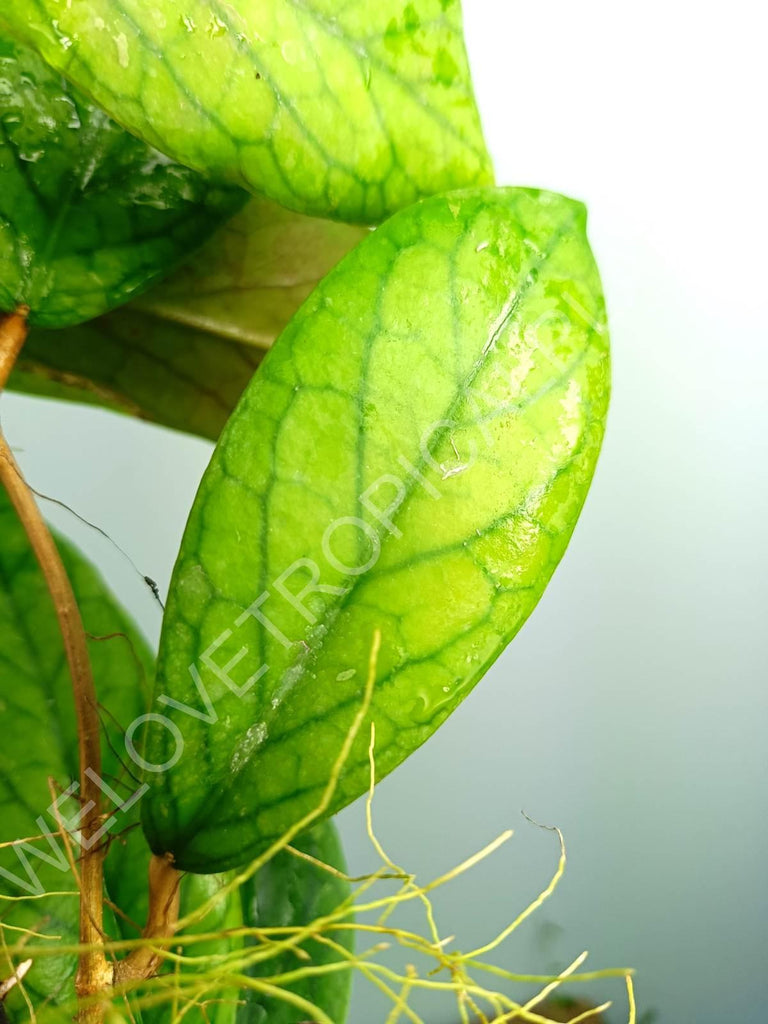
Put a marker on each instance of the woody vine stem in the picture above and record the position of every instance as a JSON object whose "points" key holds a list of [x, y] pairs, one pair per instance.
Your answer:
{"points": [[94, 974]]}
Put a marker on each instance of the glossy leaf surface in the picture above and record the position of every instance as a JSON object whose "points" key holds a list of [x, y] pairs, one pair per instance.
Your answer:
{"points": [[349, 111], [286, 892], [40, 733], [411, 457], [89, 215], [182, 354]]}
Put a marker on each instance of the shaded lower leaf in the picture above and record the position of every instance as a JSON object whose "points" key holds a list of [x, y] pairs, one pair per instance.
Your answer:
{"points": [[290, 891], [246, 283], [40, 735], [134, 363], [89, 215], [218, 1006], [411, 458], [214, 1005], [287, 892], [182, 354]]}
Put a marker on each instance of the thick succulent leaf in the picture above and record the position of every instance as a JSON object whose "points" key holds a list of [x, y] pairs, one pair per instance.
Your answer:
{"points": [[290, 891], [411, 457], [182, 353], [344, 110], [89, 215], [40, 732]]}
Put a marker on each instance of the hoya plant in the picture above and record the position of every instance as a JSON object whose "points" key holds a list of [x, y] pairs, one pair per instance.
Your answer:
{"points": [[275, 226]]}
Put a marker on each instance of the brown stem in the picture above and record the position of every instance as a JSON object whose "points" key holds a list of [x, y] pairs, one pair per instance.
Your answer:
{"points": [[164, 893], [94, 972], [13, 334]]}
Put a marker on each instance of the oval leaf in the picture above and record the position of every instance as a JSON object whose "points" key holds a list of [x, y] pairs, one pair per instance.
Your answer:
{"points": [[182, 354], [89, 215], [349, 111], [411, 457], [40, 735], [288, 892]]}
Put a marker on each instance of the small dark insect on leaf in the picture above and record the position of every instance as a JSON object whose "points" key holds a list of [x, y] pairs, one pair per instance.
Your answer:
{"points": [[62, 504], [155, 590]]}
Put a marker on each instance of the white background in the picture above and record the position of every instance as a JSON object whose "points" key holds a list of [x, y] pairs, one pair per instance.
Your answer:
{"points": [[632, 709]]}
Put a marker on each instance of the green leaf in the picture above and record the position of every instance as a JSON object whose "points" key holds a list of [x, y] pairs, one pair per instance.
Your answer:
{"points": [[129, 865], [182, 354], [290, 891], [134, 363], [246, 283], [411, 457], [350, 111], [89, 215], [40, 734], [227, 914]]}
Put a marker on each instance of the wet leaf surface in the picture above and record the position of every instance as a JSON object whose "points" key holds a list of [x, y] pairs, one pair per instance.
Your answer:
{"points": [[350, 111], [89, 215], [182, 354], [411, 457]]}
